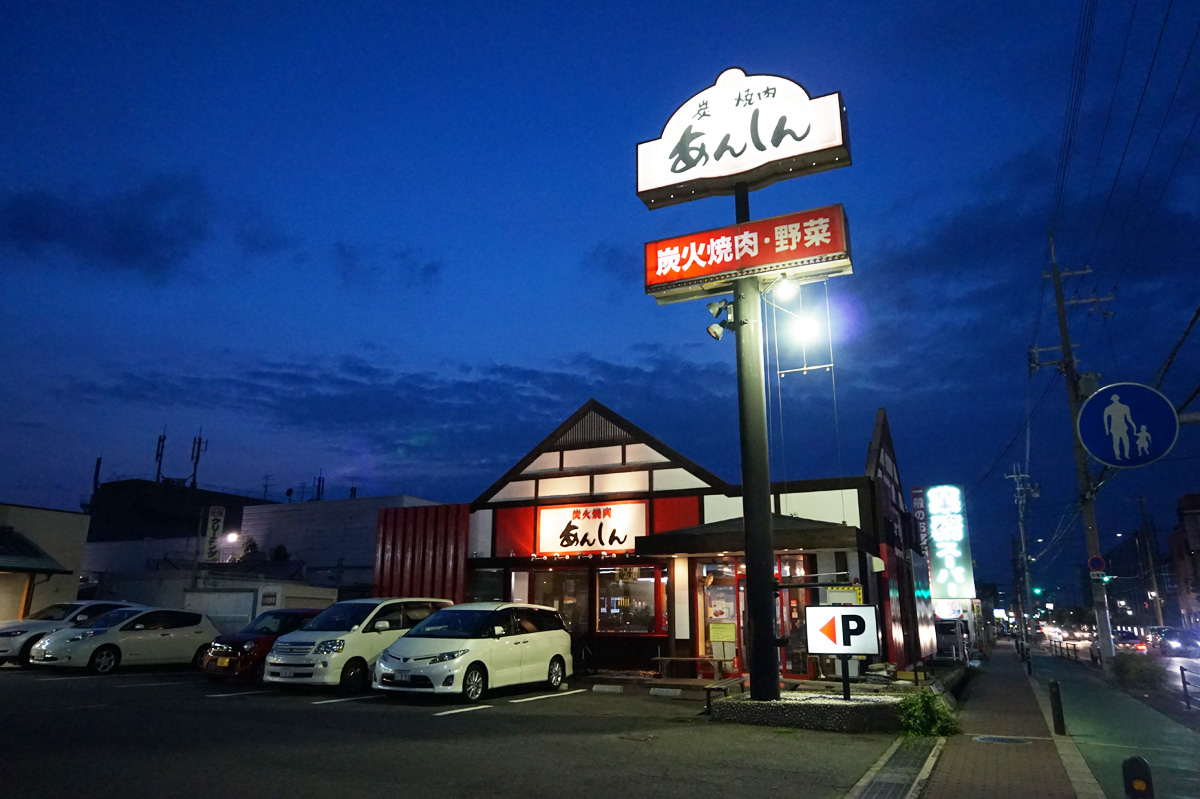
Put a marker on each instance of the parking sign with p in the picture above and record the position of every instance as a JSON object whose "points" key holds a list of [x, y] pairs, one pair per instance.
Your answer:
{"points": [[842, 630]]}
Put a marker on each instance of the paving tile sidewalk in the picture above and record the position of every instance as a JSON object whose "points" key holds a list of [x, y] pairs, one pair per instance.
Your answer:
{"points": [[1000, 702]]}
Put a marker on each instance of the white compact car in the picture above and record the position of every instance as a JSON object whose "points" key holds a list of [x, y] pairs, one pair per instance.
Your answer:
{"points": [[129, 636], [470, 648], [18, 637], [340, 646]]}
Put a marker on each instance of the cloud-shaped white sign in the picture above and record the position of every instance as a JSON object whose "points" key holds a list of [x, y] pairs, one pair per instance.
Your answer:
{"points": [[753, 129]]}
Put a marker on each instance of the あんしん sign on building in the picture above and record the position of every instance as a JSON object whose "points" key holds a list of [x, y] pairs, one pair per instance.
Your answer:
{"points": [[595, 527], [806, 244], [938, 511], [752, 129]]}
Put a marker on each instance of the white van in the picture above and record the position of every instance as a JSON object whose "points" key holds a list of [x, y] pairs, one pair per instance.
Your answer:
{"points": [[341, 644]]}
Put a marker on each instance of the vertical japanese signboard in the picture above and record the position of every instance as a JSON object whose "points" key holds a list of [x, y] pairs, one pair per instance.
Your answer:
{"points": [[212, 534], [942, 523]]}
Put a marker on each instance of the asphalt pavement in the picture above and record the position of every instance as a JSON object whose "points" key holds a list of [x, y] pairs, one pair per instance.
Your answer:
{"points": [[168, 733]]}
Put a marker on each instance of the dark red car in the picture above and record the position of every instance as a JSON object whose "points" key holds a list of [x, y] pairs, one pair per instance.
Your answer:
{"points": [[244, 653]]}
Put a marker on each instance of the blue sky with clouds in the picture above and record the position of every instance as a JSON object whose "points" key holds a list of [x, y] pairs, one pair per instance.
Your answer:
{"points": [[397, 244]]}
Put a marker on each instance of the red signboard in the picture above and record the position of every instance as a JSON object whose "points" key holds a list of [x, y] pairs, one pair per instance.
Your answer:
{"points": [[805, 244]]}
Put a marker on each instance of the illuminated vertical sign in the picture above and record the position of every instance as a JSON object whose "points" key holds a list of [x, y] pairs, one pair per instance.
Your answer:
{"points": [[941, 522], [212, 534]]}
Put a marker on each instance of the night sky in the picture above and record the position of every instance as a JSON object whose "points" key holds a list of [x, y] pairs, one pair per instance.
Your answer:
{"points": [[396, 244]]}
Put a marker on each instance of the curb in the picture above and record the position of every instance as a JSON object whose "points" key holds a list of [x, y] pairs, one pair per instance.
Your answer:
{"points": [[923, 775]]}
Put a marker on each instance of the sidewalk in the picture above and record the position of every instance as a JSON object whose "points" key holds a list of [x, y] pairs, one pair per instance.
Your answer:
{"points": [[1108, 725], [1000, 703]]}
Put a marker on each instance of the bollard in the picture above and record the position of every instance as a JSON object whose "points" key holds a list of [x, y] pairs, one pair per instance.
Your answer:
{"points": [[1187, 700], [1056, 709], [1135, 771]]}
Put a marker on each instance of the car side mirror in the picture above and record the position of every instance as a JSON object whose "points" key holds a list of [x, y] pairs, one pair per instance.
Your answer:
{"points": [[382, 625], [497, 631]]}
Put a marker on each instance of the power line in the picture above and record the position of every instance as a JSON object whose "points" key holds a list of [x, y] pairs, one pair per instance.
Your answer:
{"points": [[1132, 127], [1161, 374], [1025, 424], [1083, 45]]}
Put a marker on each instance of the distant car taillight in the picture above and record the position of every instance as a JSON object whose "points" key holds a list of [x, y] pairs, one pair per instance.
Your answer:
{"points": [[1141, 647]]}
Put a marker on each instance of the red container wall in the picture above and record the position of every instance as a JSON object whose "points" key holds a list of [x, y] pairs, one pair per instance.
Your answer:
{"points": [[676, 513], [422, 551]]}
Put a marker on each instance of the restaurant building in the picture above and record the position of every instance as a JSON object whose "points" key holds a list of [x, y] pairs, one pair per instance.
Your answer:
{"points": [[641, 550]]}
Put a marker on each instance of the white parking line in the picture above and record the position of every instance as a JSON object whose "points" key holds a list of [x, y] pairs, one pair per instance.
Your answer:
{"points": [[84, 677], [50, 709], [156, 684], [462, 710], [240, 693], [345, 699], [548, 696]]}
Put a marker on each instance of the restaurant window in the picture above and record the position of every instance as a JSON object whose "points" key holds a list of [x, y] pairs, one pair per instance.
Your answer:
{"points": [[485, 585], [631, 600], [565, 590]]}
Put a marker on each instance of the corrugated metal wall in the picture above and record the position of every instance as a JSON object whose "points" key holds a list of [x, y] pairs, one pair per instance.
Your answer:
{"points": [[422, 551]]}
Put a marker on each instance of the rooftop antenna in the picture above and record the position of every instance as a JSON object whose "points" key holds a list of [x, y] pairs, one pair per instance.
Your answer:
{"points": [[267, 484], [158, 455], [199, 444]]}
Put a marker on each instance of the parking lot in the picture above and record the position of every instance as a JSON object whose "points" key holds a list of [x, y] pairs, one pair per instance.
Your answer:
{"points": [[169, 732]]}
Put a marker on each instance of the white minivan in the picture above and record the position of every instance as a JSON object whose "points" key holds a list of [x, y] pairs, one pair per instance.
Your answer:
{"points": [[469, 649], [341, 644]]}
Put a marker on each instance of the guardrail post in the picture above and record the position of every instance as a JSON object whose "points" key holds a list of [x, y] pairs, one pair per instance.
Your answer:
{"points": [[1187, 700], [1056, 709]]}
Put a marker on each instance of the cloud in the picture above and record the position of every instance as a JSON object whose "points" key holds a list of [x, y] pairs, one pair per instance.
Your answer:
{"points": [[622, 263], [151, 230], [447, 434], [367, 267]]}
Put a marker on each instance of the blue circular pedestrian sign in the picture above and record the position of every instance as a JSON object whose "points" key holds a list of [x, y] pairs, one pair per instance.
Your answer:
{"points": [[1127, 424]]}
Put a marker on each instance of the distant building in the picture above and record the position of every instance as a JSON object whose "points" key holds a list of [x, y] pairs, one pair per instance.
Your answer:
{"points": [[134, 522], [1185, 559]]}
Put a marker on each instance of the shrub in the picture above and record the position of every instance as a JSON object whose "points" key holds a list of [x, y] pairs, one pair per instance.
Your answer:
{"points": [[1138, 672], [924, 714]]}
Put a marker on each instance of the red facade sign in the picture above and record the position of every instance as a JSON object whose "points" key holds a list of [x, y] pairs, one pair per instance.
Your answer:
{"points": [[808, 243]]}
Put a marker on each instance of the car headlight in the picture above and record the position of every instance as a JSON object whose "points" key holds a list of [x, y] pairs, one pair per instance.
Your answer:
{"points": [[1173, 644], [329, 647], [83, 635], [246, 647], [447, 656], [12, 633]]}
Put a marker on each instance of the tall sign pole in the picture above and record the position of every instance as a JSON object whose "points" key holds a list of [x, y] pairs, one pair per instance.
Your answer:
{"points": [[756, 479], [740, 134]]}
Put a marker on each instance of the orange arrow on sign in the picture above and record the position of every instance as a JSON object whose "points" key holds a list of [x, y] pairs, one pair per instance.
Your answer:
{"points": [[830, 629]]}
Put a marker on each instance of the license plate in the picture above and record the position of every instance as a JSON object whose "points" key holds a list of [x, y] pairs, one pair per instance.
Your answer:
{"points": [[284, 671], [402, 676], [222, 662]]}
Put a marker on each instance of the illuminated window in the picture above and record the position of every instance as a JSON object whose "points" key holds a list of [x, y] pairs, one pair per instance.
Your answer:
{"points": [[631, 600]]}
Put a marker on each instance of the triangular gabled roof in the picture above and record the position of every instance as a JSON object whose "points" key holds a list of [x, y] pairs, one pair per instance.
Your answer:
{"points": [[595, 425]]}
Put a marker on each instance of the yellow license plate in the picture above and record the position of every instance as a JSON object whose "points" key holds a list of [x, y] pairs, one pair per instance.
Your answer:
{"points": [[222, 662]]}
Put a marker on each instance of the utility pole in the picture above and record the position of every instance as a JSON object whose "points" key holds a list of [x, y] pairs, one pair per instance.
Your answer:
{"points": [[267, 484], [1087, 487], [1144, 535], [1023, 487]]}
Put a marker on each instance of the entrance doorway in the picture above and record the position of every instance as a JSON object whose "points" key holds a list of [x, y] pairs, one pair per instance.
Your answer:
{"points": [[721, 607]]}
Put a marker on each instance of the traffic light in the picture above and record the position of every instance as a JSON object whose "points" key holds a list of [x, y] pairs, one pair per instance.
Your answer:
{"points": [[1108, 578], [1037, 592]]}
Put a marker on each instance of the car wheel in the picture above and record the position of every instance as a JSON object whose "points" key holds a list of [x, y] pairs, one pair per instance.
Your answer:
{"points": [[474, 683], [557, 673], [259, 672], [104, 660], [198, 658], [354, 678], [23, 657]]}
